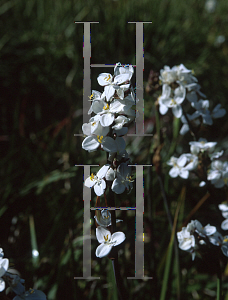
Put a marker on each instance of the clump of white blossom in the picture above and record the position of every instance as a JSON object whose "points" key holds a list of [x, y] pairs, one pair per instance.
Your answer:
{"points": [[194, 236], [178, 86], [15, 282], [113, 110]]}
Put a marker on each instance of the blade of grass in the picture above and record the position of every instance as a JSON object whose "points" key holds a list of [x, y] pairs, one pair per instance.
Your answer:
{"points": [[35, 253]]}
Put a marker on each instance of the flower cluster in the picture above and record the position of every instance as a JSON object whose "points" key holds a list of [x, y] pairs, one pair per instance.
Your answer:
{"points": [[195, 236], [113, 112], [178, 84], [224, 209], [15, 282], [202, 153]]}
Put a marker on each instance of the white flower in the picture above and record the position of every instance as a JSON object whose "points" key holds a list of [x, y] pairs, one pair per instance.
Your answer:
{"points": [[202, 145], [103, 218], [224, 246], [97, 180], [112, 84], [194, 92], [168, 75], [107, 240], [128, 69], [94, 127], [196, 226], [172, 102], [218, 173], [202, 110], [123, 180], [224, 209], [182, 165], [224, 224], [91, 143], [218, 112], [4, 265], [106, 112], [216, 239], [210, 5], [185, 77], [187, 241]]}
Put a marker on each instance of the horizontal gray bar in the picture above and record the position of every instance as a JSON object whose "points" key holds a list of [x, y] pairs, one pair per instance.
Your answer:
{"points": [[113, 208], [104, 65]]}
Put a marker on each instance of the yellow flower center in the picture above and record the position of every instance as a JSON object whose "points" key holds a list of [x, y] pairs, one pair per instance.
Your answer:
{"points": [[107, 78], [106, 107], [91, 97], [225, 240], [99, 138], [93, 123], [106, 238], [92, 177], [173, 102], [129, 178]]}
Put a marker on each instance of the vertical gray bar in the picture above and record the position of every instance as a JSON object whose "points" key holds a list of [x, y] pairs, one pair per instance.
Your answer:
{"points": [[86, 75], [86, 79], [86, 229], [139, 240], [139, 79]]}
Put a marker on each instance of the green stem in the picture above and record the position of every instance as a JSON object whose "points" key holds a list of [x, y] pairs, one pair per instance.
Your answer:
{"points": [[219, 283], [114, 254]]}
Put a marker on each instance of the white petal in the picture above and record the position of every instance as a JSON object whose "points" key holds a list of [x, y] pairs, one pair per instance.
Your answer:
{"points": [[109, 92], [102, 232], [224, 225], [98, 106], [184, 174], [207, 119], [163, 109], [184, 129], [102, 172], [107, 119], [223, 207], [225, 214], [100, 187], [121, 78], [118, 237], [110, 175], [89, 183], [187, 244], [177, 111], [120, 144], [90, 143], [2, 284], [182, 160], [124, 170], [103, 250], [174, 172], [117, 186], [209, 230], [109, 144], [104, 79], [4, 265], [86, 128], [224, 249]]}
